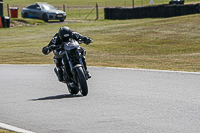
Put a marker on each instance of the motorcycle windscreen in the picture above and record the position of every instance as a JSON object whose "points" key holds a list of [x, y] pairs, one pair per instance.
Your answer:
{"points": [[72, 44]]}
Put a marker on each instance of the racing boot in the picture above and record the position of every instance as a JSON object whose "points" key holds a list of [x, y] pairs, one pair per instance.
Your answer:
{"points": [[88, 74]]}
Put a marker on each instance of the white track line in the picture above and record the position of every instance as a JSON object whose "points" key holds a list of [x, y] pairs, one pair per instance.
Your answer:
{"points": [[134, 69], [147, 70], [12, 128]]}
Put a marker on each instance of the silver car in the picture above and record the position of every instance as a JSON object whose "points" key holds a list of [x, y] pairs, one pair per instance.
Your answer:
{"points": [[43, 11]]}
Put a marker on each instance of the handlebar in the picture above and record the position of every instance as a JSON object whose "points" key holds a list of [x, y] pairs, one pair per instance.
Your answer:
{"points": [[56, 47], [81, 41]]}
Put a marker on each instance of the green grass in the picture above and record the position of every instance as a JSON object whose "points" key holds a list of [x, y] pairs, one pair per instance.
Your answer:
{"points": [[29, 21], [5, 131], [80, 3], [165, 43]]}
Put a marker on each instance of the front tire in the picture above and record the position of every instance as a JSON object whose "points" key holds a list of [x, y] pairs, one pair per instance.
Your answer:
{"points": [[82, 84]]}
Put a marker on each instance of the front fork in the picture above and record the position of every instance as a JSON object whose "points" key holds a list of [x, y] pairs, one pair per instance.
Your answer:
{"points": [[72, 68], [83, 66]]}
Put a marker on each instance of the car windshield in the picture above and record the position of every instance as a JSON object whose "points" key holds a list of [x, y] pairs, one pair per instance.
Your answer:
{"points": [[48, 7]]}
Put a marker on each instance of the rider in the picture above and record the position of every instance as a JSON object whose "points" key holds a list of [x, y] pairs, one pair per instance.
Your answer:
{"points": [[65, 34]]}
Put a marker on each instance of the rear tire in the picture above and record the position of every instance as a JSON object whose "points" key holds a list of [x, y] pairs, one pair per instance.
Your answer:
{"points": [[82, 84], [72, 90]]}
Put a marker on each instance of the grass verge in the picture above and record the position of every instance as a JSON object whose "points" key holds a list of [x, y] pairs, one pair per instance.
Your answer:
{"points": [[5, 131], [165, 43], [29, 21]]}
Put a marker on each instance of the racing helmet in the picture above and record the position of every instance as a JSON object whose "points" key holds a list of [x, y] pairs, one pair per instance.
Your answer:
{"points": [[65, 33]]}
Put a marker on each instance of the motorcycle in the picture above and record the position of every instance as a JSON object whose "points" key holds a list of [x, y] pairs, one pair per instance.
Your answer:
{"points": [[74, 72]]}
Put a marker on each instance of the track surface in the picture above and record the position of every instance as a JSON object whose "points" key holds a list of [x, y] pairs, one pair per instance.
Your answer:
{"points": [[119, 101]]}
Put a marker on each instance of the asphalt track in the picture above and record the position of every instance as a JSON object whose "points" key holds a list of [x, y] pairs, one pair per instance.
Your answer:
{"points": [[119, 101]]}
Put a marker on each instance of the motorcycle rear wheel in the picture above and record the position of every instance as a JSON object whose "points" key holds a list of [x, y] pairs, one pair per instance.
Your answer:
{"points": [[82, 84], [72, 90]]}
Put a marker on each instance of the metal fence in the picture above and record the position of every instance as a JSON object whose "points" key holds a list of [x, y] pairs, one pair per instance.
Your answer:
{"points": [[73, 12]]}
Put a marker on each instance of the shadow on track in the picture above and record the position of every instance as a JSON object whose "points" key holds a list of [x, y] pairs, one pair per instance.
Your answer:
{"points": [[56, 97]]}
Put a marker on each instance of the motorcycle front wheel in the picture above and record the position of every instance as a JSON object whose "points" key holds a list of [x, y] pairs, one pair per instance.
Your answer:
{"points": [[82, 84]]}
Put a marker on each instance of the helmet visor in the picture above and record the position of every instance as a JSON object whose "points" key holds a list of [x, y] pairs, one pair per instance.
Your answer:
{"points": [[65, 37]]}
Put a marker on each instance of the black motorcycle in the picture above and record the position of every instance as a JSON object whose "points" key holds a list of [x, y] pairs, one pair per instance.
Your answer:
{"points": [[74, 73]]}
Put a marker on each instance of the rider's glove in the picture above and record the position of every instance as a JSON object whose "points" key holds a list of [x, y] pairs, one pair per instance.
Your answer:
{"points": [[45, 50], [86, 40]]}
